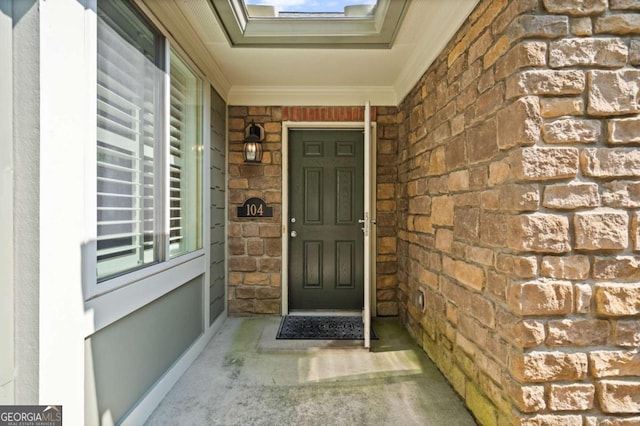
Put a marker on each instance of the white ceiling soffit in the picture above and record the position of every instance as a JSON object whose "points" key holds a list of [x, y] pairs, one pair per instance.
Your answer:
{"points": [[377, 30], [303, 76]]}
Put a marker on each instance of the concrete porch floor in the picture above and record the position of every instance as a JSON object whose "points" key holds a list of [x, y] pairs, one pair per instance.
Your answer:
{"points": [[247, 377]]}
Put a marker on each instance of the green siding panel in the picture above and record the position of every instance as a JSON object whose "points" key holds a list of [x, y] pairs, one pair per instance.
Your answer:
{"points": [[130, 355], [218, 206]]}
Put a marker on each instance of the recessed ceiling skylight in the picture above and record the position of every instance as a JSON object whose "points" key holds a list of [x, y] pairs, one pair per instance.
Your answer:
{"points": [[337, 8], [310, 23]]}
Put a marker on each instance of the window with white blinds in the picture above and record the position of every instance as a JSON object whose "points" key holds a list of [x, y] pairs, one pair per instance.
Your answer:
{"points": [[133, 154], [185, 159]]}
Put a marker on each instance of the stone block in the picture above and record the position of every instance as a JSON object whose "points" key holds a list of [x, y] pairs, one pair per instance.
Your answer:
{"points": [[570, 332], [614, 363], [621, 194], [499, 172], [618, 24], [519, 124], [538, 26], [524, 54], [539, 232], [634, 53], [496, 284], [268, 293], [543, 298], [527, 333], [613, 92], [573, 397], [624, 4], [437, 161], [556, 107], [386, 191], [576, 8], [517, 266], [270, 231], [627, 333], [242, 306], [617, 300], [420, 205], [572, 131], [581, 26], [387, 309], [255, 247], [583, 297], [271, 307], [387, 245], [571, 196], [442, 210], [469, 275], [444, 240], [528, 399], [242, 264], [546, 83], [458, 181], [245, 292], [493, 229], [619, 268], [466, 224], [541, 367], [624, 130], [610, 162], [601, 229], [590, 52], [619, 421], [272, 247], [482, 141], [635, 231], [540, 164], [616, 396], [550, 420], [481, 407], [565, 267], [257, 278], [496, 51], [236, 246]]}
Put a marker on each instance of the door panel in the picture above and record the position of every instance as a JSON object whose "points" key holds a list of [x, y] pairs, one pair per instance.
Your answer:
{"points": [[326, 193]]}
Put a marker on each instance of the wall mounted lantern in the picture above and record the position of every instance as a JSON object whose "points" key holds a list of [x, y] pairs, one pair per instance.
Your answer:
{"points": [[254, 135]]}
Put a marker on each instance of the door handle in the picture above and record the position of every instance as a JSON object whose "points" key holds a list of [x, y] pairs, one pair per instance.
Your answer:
{"points": [[294, 234]]}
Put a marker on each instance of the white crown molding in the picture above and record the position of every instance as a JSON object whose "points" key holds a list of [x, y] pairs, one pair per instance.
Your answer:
{"points": [[312, 95], [447, 20]]}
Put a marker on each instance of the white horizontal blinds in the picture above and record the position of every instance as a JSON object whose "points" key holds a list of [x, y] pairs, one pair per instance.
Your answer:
{"points": [[185, 159], [129, 93]]}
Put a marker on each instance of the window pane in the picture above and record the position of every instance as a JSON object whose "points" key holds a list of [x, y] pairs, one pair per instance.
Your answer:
{"points": [[129, 95], [185, 159]]}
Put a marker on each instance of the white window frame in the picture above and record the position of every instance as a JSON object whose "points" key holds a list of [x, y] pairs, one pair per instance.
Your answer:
{"points": [[93, 287]]}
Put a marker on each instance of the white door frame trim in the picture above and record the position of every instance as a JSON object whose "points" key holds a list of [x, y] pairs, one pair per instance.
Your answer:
{"points": [[323, 125]]}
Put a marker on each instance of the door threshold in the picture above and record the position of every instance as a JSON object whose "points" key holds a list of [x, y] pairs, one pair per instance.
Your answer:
{"points": [[326, 313]]}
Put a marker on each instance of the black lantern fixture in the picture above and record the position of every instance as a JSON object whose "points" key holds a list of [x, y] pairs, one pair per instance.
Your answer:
{"points": [[252, 151]]}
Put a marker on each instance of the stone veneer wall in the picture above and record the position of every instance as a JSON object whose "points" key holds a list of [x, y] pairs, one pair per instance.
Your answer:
{"points": [[519, 210], [255, 257]]}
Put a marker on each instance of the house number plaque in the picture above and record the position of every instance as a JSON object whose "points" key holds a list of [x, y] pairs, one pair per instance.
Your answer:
{"points": [[255, 207]]}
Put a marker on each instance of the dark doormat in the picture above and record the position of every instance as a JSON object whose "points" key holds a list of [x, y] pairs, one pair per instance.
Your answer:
{"points": [[322, 328]]}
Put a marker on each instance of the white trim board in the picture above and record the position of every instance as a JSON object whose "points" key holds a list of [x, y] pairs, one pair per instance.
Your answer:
{"points": [[312, 95]]}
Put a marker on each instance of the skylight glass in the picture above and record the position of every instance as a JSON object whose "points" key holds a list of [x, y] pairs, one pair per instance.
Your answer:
{"points": [[311, 23], [307, 8]]}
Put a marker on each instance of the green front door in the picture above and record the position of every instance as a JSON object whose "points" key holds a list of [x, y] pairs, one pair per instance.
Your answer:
{"points": [[326, 199]]}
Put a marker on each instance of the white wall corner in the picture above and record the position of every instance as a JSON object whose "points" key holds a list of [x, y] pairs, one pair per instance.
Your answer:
{"points": [[66, 116]]}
